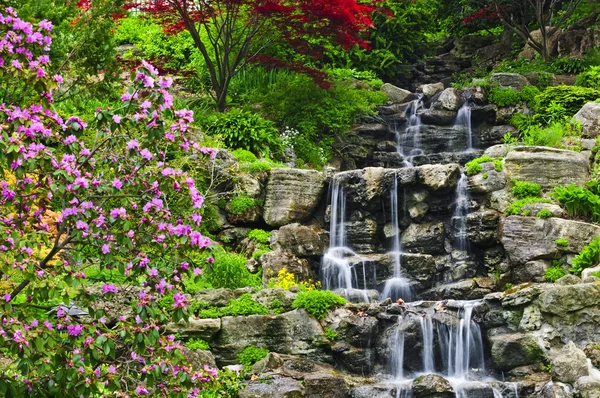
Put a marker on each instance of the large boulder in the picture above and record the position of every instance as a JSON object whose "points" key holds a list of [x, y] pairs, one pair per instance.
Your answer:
{"points": [[424, 238], [530, 53], [275, 261], [280, 387], [397, 94], [589, 117], [548, 167], [569, 364], [509, 80], [450, 100], [429, 90], [292, 195], [561, 300], [512, 350], [439, 177], [432, 386], [531, 238], [294, 333], [300, 240], [324, 385], [204, 329]]}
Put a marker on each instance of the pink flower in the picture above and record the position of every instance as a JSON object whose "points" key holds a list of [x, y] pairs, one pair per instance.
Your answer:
{"points": [[7, 297], [146, 154], [59, 79], [109, 288], [180, 301], [117, 183], [16, 64], [45, 25], [141, 391], [116, 119], [126, 97], [105, 248], [74, 330], [153, 272], [133, 144]]}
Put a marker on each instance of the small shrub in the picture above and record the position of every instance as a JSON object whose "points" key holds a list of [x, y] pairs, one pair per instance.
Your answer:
{"points": [[241, 204], [286, 280], [197, 344], [317, 302], [568, 65], [474, 166], [209, 313], [259, 251], [259, 235], [245, 305], [229, 271], [504, 96], [572, 98], [243, 155], [524, 189], [522, 122], [245, 130], [554, 273], [590, 78], [578, 201], [330, 334], [528, 94], [259, 166], [250, 355], [544, 213], [588, 257], [515, 208], [562, 242]]}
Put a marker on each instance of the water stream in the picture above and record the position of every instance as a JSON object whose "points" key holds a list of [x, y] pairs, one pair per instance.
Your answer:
{"points": [[408, 141]]}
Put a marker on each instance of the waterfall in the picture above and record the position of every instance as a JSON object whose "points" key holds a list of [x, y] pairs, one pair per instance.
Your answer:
{"points": [[463, 119], [408, 141], [397, 286], [427, 337], [462, 346], [397, 364], [337, 272], [461, 209]]}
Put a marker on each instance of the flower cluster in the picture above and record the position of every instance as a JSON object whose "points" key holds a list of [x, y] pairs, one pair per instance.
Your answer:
{"points": [[75, 197]]}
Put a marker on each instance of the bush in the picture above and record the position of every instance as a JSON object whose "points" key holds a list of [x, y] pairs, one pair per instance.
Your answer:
{"points": [[515, 208], [590, 78], [245, 130], [568, 65], [550, 136], [229, 271], [250, 355], [474, 166], [209, 313], [554, 273], [504, 96], [243, 156], [259, 235], [572, 98], [245, 305], [578, 201], [330, 334], [589, 257], [562, 242], [241, 204], [317, 302], [286, 280], [524, 189], [197, 344], [544, 213]]}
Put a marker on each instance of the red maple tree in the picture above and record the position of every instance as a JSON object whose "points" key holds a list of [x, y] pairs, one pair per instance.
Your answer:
{"points": [[231, 33]]}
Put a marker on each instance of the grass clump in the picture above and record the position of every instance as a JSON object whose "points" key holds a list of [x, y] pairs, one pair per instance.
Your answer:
{"points": [[259, 235], [229, 271], [250, 355], [197, 344], [562, 242], [544, 213], [245, 305], [244, 156], [474, 166], [317, 302], [515, 208], [330, 334], [241, 204], [588, 257], [524, 189], [579, 201], [554, 273]]}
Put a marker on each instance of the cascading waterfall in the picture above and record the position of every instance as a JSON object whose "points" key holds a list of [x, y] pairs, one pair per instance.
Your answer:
{"points": [[463, 119], [408, 141], [397, 364], [461, 209], [398, 286], [337, 272], [427, 336]]}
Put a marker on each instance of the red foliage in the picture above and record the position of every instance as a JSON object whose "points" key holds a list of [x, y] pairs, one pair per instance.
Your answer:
{"points": [[488, 13]]}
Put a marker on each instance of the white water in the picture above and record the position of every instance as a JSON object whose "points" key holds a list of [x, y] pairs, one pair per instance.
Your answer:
{"points": [[427, 336], [463, 119], [337, 271], [398, 286], [461, 209], [408, 141], [398, 352]]}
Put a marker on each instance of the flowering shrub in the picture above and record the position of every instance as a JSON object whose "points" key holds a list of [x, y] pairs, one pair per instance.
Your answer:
{"points": [[76, 198]]}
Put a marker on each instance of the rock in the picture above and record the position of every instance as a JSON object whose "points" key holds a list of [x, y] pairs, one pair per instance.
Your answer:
{"points": [[555, 390], [247, 216], [588, 387], [450, 100], [487, 181], [535, 208], [424, 238], [495, 135], [281, 387], [322, 385], [429, 90], [432, 386], [293, 333], [205, 329], [266, 297], [270, 363], [475, 389], [589, 117], [569, 364], [439, 177], [529, 53], [592, 351], [470, 44], [387, 159], [363, 235], [548, 167], [498, 151], [509, 80], [531, 320], [531, 238], [561, 300], [586, 273], [396, 94], [273, 262], [233, 236], [568, 280], [199, 358], [247, 185], [300, 240], [375, 391], [214, 297], [523, 294], [437, 143], [438, 117], [292, 195], [512, 350], [482, 227], [531, 271], [505, 113]]}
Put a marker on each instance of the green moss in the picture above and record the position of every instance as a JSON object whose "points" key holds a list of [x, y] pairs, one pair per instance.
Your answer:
{"points": [[515, 208], [330, 334], [259, 236], [317, 302], [524, 189], [250, 355], [197, 344], [588, 257], [245, 305], [243, 155], [544, 213], [562, 242], [241, 204], [485, 176], [554, 273], [474, 166]]}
